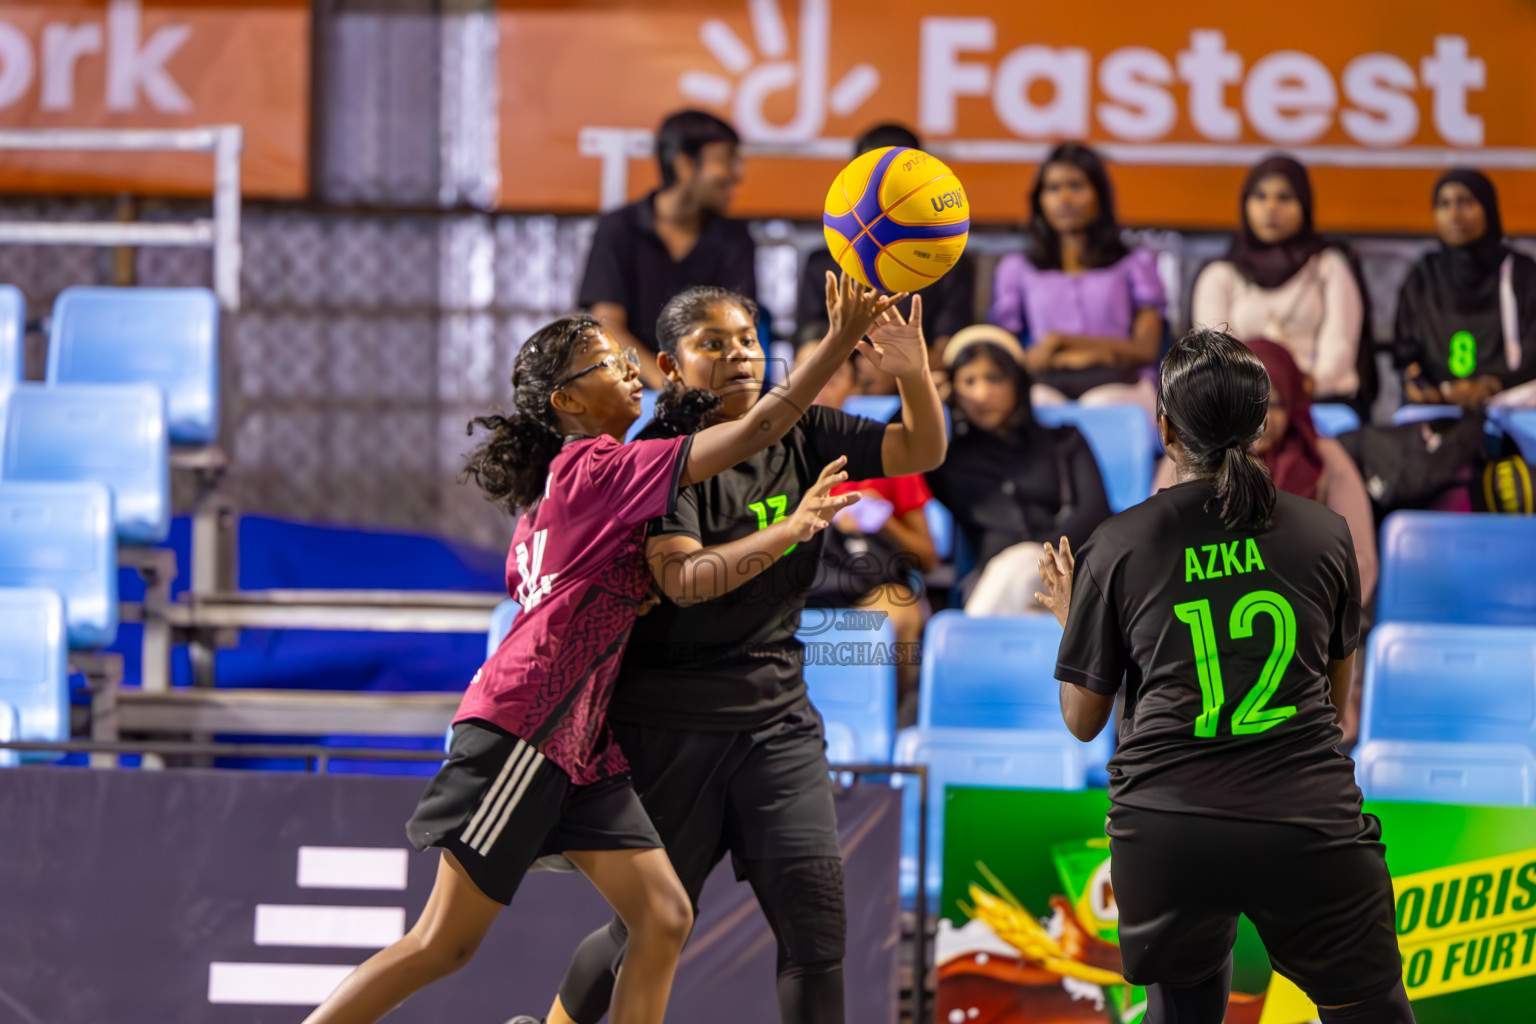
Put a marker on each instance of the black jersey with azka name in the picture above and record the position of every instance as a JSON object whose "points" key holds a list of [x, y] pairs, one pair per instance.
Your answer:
{"points": [[733, 663], [1223, 639]]}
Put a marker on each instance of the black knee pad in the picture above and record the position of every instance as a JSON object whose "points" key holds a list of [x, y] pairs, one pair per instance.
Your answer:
{"points": [[802, 898], [1391, 1007]]}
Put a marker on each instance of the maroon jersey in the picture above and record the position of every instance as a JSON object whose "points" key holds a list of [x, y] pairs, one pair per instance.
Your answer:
{"points": [[577, 566]]}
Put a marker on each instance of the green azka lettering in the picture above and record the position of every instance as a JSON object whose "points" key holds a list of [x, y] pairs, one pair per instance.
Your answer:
{"points": [[1221, 560]]}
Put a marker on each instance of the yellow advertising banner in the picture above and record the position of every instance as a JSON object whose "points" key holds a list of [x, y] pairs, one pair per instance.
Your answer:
{"points": [[1377, 96], [156, 64], [1467, 925]]}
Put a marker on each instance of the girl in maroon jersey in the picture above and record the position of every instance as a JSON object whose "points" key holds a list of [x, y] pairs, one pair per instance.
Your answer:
{"points": [[532, 771]]}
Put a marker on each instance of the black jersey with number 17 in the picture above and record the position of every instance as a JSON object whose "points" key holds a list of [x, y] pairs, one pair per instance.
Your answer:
{"points": [[1223, 639]]}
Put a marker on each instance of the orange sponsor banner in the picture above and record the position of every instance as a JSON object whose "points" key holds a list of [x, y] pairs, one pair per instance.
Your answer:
{"points": [[156, 64], [1377, 96]]}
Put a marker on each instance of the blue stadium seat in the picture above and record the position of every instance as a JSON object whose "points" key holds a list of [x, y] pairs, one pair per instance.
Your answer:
{"points": [[872, 407], [164, 336], [110, 433], [999, 672], [1123, 444], [1450, 684], [941, 527], [1421, 413], [34, 660], [1520, 424], [647, 413], [1012, 758], [13, 334], [842, 744], [60, 537], [1332, 419], [1449, 567], [501, 625], [861, 696], [10, 728], [1493, 774]]}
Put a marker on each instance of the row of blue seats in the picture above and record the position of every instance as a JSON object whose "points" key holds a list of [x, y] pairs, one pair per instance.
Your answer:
{"points": [[85, 457], [84, 467], [163, 336]]}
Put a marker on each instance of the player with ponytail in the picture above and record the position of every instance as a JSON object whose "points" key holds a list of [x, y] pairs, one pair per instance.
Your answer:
{"points": [[532, 770], [1230, 614]]}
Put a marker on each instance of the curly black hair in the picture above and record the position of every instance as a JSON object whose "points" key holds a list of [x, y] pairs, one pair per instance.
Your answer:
{"points": [[511, 465]]}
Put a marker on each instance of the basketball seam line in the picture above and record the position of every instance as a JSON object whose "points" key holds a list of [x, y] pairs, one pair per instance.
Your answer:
{"points": [[897, 260], [865, 228], [883, 210], [883, 214]]}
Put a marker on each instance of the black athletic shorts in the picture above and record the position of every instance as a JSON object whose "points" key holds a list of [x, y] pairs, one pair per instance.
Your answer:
{"points": [[763, 794], [1323, 906], [500, 806]]}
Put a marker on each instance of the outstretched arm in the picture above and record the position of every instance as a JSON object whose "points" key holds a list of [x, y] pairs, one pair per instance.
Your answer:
{"points": [[918, 443], [688, 572], [851, 310], [1085, 712]]}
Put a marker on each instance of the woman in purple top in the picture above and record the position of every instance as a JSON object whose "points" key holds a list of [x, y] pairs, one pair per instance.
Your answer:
{"points": [[1089, 308]]}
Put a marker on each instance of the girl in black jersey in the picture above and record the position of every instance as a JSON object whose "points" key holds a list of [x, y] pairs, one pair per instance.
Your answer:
{"points": [[1231, 613], [533, 771], [710, 705]]}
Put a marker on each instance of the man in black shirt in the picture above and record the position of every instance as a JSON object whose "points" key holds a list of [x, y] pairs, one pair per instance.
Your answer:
{"points": [[710, 706], [948, 303], [1231, 613], [672, 239]]}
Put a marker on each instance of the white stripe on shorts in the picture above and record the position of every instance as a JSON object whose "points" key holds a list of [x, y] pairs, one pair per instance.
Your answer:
{"points": [[519, 753], [506, 814]]}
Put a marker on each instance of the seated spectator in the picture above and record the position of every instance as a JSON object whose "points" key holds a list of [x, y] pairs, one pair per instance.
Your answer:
{"points": [[672, 239], [1011, 483], [875, 547], [1283, 281], [947, 303], [1304, 464], [1466, 316], [1090, 308]]}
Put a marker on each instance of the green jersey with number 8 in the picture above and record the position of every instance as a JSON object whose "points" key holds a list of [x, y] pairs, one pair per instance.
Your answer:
{"points": [[1222, 640]]}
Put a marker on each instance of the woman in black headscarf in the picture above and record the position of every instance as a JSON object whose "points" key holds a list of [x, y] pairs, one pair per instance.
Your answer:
{"points": [[1284, 282], [1466, 317]]}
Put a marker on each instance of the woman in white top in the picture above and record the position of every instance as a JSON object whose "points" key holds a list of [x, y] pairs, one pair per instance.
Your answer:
{"points": [[1283, 282]]}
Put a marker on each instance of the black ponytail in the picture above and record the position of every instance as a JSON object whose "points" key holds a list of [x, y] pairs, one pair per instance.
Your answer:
{"points": [[681, 409], [1215, 393], [511, 465]]}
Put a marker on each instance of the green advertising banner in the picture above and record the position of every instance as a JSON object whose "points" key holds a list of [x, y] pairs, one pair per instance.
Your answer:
{"points": [[1028, 929]]}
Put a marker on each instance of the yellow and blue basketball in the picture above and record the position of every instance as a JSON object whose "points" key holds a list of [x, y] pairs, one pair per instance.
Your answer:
{"points": [[896, 219]]}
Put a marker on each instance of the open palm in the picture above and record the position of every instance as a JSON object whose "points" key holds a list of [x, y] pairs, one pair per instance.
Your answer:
{"points": [[895, 343]]}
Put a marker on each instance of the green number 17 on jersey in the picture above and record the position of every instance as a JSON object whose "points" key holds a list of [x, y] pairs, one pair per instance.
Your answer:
{"points": [[1251, 716], [779, 503]]}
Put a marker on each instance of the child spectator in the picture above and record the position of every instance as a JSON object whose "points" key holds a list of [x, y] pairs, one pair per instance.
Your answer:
{"points": [[1011, 483]]}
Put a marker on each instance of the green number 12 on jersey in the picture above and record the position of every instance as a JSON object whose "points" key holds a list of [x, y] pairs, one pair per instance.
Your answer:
{"points": [[1251, 716]]}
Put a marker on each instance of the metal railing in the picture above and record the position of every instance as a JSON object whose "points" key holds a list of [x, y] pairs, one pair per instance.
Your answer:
{"points": [[221, 234]]}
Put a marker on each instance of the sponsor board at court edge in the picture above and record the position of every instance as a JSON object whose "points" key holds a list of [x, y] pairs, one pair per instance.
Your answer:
{"points": [[156, 64], [1464, 895], [1377, 96]]}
